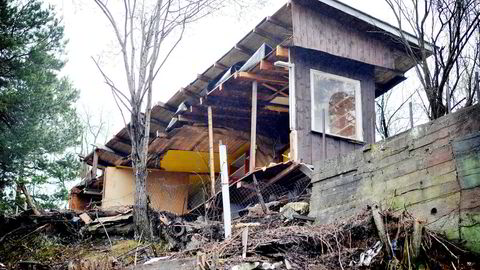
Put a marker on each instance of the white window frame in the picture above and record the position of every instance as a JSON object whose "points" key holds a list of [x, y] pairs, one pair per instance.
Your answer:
{"points": [[358, 104]]}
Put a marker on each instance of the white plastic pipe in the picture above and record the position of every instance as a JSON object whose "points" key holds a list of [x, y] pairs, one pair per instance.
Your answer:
{"points": [[227, 217]]}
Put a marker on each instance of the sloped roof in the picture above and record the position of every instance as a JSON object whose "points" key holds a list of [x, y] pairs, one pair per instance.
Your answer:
{"points": [[273, 30]]}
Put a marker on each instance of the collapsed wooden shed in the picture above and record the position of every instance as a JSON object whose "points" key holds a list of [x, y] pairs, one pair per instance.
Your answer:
{"points": [[298, 88]]}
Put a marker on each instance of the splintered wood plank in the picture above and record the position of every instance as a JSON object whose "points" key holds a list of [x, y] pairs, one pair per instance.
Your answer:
{"points": [[210, 148], [94, 165], [281, 52], [268, 68], [243, 75], [253, 130], [85, 218]]}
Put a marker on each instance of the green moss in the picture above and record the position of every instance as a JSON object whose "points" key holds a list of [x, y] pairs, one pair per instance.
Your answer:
{"points": [[470, 232], [469, 168], [471, 235], [396, 203], [451, 234]]}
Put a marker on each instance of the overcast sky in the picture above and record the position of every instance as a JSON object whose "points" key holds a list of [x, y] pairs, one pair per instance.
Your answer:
{"points": [[90, 35]]}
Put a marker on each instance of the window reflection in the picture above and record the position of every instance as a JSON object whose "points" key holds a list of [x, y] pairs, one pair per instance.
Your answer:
{"points": [[336, 96]]}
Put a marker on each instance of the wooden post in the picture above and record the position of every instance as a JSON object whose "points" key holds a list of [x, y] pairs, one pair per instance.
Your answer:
{"points": [[210, 148], [94, 165], [324, 143], [477, 86], [253, 130], [447, 97], [259, 195], [411, 114], [244, 242], [227, 217]]}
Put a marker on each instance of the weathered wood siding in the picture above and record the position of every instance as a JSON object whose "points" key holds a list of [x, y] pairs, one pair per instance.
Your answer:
{"points": [[313, 29], [432, 170], [310, 143]]}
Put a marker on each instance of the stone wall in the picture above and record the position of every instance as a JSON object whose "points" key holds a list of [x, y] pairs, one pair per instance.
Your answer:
{"points": [[432, 170]]}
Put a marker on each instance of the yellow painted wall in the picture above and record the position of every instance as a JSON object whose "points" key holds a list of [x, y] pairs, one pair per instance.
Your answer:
{"points": [[286, 155], [188, 161], [168, 191], [192, 161]]}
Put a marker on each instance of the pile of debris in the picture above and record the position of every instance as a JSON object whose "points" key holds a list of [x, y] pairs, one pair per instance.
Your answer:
{"points": [[49, 240], [287, 239], [274, 235]]}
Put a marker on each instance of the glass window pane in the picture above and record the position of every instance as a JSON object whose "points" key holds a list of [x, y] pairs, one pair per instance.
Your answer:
{"points": [[337, 96]]}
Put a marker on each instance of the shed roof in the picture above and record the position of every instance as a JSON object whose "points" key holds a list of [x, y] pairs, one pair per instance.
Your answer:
{"points": [[273, 30]]}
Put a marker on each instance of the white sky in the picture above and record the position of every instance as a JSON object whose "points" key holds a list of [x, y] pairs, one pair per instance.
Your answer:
{"points": [[205, 42]]}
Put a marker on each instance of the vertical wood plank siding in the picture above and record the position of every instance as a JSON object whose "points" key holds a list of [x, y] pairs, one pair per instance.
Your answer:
{"points": [[315, 30], [310, 143]]}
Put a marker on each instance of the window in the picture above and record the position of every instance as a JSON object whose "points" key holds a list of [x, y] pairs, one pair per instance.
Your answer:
{"points": [[340, 98]]}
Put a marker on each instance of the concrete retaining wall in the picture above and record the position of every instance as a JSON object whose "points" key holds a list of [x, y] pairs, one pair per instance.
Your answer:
{"points": [[433, 171]]}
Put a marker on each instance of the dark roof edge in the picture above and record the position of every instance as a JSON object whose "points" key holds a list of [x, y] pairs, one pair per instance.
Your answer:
{"points": [[374, 21]]}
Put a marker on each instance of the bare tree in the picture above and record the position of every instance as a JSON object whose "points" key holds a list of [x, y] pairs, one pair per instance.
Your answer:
{"points": [[146, 32], [448, 25], [391, 119], [95, 129], [464, 76]]}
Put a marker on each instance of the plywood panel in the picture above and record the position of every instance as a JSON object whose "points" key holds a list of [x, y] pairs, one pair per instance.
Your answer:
{"points": [[168, 191]]}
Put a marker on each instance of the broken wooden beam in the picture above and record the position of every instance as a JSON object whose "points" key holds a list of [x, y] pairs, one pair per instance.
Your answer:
{"points": [[268, 66], [210, 148], [275, 90], [228, 102], [253, 129], [273, 180], [259, 195], [282, 52], [244, 75]]}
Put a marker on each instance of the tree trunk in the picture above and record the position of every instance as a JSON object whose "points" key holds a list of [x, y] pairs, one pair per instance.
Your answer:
{"points": [[29, 200], [142, 222], [139, 158]]}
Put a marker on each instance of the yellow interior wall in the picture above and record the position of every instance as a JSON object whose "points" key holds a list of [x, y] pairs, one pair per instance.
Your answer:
{"points": [[286, 155], [168, 191], [188, 161], [197, 162]]}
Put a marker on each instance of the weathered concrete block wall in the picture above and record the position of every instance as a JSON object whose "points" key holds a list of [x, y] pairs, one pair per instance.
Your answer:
{"points": [[433, 171]]}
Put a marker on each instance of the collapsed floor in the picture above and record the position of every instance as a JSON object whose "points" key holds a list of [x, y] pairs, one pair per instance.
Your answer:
{"points": [[284, 238]]}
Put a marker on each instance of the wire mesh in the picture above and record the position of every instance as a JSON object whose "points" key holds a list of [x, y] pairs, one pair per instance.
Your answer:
{"points": [[294, 188]]}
